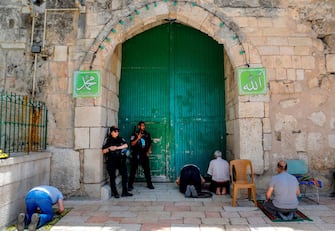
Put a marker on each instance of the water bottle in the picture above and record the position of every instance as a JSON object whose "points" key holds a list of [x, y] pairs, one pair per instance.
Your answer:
{"points": [[142, 142]]}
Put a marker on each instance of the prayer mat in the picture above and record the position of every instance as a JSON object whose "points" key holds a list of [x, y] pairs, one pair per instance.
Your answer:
{"points": [[299, 216], [47, 226], [204, 194]]}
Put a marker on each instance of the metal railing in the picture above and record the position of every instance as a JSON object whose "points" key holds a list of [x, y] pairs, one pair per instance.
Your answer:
{"points": [[23, 124]]}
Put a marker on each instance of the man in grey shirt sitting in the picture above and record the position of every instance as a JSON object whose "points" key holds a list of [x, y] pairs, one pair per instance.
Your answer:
{"points": [[284, 189]]}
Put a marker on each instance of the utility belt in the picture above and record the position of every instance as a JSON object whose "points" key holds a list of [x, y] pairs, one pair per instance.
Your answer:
{"points": [[139, 153], [114, 155], [117, 154]]}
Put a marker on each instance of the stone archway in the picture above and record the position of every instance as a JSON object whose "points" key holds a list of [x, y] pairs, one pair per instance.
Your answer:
{"points": [[245, 133]]}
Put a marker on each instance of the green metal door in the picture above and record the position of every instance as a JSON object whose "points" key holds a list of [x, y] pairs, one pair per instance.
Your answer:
{"points": [[144, 92], [199, 114], [172, 78]]}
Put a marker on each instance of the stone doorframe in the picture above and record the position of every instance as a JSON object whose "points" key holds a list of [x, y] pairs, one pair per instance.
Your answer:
{"points": [[247, 117]]}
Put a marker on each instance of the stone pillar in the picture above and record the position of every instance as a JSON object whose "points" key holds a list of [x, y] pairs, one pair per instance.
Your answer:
{"points": [[249, 139], [89, 135], [92, 118], [249, 136]]}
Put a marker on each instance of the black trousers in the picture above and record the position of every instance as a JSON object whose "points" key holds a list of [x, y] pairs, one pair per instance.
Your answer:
{"points": [[113, 163], [143, 160], [190, 175], [215, 184], [273, 209]]}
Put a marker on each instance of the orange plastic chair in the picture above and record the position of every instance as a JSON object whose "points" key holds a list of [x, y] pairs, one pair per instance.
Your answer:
{"points": [[242, 176]]}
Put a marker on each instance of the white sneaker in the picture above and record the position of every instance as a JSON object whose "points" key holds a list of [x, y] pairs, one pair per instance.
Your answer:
{"points": [[188, 191], [20, 222], [194, 192], [35, 218]]}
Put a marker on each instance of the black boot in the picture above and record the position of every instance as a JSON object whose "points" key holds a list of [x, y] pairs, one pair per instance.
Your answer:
{"points": [[116, 195], [125, 193], [150, 186]]}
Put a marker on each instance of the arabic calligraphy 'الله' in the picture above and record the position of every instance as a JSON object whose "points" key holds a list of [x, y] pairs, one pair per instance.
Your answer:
{"points": [[253, 83]]}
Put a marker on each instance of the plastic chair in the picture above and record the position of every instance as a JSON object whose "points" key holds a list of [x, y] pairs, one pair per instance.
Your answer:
{"points": [[242, 175], [309, 186]]}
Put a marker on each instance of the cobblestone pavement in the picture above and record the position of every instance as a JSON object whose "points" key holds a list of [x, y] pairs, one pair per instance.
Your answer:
{"points": [[165, 209]]}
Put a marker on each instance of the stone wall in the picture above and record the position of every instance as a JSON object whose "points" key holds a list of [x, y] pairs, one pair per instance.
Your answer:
{"points": [[18, 174], [293, 40]]}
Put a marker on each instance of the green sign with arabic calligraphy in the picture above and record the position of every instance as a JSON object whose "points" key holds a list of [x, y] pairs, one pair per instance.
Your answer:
{"points": [[86, 84], [252, 81]]}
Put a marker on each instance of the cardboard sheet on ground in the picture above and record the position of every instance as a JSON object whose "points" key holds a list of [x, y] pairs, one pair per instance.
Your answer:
{"points": [[47, 226]]}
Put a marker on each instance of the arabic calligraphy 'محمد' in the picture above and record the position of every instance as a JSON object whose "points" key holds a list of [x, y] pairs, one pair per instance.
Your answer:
{"points": [[87, 83]]}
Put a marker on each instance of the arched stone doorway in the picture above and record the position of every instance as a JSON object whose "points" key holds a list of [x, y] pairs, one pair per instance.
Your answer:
{"points": [[172, 78], [244, 129]]}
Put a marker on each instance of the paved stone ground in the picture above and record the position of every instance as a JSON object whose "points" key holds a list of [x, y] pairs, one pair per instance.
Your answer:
{"points": [[165, 209]]}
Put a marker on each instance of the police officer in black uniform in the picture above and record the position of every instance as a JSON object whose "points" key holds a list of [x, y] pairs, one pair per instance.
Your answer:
{"points": [[141, 148], [115, 159]]}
